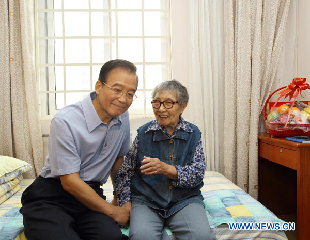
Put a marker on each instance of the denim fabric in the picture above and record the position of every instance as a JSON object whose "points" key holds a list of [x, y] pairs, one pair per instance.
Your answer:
{"points": [[157, 191], [190, 222]]}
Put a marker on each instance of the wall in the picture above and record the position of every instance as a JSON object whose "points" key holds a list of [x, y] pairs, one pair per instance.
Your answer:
{"points": [[303, 42], [296, 53]]}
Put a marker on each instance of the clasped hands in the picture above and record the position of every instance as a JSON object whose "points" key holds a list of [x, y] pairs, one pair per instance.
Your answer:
{"points": [[152, 166]]}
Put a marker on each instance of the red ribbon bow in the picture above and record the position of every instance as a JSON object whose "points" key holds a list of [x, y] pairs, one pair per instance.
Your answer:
{"points": [[297, 85], [293, 90]]}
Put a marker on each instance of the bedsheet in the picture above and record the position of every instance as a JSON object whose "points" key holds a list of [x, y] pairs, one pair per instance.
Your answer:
{"points": [[224, 202]]}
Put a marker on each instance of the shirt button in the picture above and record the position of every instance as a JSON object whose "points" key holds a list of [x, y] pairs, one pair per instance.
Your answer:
{"points": [[170, 187], [171, 141], [171, 155]]}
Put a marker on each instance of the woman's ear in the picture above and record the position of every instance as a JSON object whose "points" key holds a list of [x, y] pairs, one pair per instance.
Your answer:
{"points": [[184, 106]]}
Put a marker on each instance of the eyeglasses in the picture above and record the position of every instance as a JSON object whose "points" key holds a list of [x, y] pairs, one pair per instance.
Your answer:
{"points": [[167, 104], [119, 92]]}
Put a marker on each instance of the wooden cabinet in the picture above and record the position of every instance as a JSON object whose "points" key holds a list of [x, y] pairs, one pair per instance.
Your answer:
{"points": [[284, 179]]}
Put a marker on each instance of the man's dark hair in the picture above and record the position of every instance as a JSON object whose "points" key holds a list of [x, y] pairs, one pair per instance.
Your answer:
{"points": [[116, 63]]}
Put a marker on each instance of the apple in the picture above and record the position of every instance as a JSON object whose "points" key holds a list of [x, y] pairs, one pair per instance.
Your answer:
{"points": [[272, 116]]}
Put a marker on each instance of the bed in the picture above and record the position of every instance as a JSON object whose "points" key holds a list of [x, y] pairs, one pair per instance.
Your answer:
{"points": [[224, 203]]}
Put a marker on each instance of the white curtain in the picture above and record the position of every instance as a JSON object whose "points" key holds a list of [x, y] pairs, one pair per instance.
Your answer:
{"points": [[206, 75], [254, 35], [20, 131], [235, 48]]}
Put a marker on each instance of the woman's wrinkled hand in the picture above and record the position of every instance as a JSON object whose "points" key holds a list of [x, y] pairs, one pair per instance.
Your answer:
{"points": [[153, 166]]}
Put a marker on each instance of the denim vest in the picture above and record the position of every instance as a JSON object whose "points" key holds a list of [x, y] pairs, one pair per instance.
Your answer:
{"points": [[157, 191]]}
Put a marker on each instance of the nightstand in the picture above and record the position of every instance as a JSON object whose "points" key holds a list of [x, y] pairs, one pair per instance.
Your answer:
{"points": [[284, 179]]}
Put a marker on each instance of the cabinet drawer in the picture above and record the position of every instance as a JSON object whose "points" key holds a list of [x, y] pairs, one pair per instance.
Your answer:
{"points": [[264, 150], [284, 156]]}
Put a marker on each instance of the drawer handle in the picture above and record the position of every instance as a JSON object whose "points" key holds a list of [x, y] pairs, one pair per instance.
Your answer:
{"points": [[281, 150]]}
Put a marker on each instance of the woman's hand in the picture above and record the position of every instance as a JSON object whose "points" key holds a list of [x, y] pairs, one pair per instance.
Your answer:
{"points": [[152, 166], [155, 166]]}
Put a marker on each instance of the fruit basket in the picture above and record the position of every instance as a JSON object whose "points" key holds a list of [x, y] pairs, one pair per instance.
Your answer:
{"points": [[288, 120]]}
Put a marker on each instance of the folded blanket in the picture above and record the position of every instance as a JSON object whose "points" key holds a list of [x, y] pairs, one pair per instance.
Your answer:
{"points": [[8, 186], [9, 194], [11, 224]]}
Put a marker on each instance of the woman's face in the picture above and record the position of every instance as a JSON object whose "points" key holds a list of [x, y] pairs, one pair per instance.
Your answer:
{"points": [[169, 118]]}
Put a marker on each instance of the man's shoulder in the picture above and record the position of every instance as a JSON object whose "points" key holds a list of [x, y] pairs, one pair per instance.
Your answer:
{"points": [[124, 117], [70, 112]]}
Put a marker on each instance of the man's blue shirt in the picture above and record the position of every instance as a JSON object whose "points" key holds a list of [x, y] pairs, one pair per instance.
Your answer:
{"points": [[80, 142]]}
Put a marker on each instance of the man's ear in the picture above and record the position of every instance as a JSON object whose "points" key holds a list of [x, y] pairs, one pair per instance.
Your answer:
{"points": [[98, 86]]}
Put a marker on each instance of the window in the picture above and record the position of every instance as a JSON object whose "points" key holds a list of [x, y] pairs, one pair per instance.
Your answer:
{"points": [[75, 38]]}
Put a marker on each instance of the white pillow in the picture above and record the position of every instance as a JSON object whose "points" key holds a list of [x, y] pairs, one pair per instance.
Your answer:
{"points": [[11, 168]]}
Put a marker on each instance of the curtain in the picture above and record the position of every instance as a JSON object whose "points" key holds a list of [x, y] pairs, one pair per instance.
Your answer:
{"points": [[206, 75], [20, 131], [254, 35]]}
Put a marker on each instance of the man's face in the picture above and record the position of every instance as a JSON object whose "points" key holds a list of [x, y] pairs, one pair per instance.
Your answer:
{"points": [[109, 104]]}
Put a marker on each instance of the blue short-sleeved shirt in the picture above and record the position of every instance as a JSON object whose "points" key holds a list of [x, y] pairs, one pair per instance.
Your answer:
{"points": [[80, 142]]}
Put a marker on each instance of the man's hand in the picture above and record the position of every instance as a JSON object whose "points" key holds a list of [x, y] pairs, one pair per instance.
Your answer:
{"points": [[122, 214], [127, 205], [114, 201]]}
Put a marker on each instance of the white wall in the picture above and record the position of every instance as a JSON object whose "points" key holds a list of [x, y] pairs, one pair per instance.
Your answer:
{"points": [[303, 42], [296, 55]]}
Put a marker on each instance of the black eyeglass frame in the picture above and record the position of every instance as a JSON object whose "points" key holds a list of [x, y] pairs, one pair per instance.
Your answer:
{"points": [[163, 103]]}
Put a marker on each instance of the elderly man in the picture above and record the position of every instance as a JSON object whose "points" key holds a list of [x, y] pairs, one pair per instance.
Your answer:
{"points": [[87, 143]]}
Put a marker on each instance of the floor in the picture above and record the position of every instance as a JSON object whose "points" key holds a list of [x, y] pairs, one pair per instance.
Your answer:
{"points": [[291, 235]]}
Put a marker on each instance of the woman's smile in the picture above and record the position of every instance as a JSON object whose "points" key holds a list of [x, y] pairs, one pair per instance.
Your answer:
{"points": [[169, 118]]}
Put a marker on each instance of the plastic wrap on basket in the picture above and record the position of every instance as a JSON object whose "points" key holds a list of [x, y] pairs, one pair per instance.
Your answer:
{"points": [[285, 119]]}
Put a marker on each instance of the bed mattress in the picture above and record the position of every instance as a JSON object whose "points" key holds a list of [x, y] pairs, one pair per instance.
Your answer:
{"points": [[224, 203]]}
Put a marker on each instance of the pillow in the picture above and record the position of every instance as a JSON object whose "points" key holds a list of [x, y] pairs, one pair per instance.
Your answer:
{"points": [[8, 186], [11, 168]]}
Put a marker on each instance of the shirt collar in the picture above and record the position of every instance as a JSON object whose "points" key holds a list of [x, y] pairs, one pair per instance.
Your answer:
{"points": [[91, 117], [155, 126]]}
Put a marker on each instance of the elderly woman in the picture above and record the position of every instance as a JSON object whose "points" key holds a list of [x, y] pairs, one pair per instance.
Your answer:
{"points": [[163, 172]]}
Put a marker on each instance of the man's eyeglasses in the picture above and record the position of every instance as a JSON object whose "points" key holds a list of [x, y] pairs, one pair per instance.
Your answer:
{"points": [[167, 104], [119, 92]]}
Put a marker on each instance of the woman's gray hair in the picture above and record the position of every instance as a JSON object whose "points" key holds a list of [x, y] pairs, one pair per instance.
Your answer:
{"points": [[173, 86]]}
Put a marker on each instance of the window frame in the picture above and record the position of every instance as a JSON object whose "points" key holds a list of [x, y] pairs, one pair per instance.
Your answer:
{"points": [[50, 93]]}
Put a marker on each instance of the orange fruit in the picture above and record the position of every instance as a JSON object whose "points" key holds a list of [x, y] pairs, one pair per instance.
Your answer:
{"points": [[283, 109], [295, 111]]}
